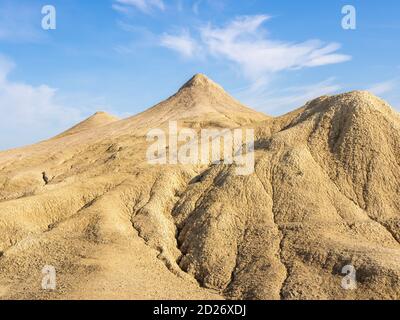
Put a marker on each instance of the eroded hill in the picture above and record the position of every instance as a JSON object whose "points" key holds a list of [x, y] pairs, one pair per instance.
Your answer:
{"points": [[324, 194]]}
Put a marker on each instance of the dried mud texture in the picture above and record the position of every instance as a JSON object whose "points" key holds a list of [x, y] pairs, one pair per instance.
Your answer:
{"points": [[324, 194]]}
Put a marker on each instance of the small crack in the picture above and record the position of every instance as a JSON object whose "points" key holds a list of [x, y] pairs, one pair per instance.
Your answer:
{"points": [[281, 234], [236, 267], [172, 266]]}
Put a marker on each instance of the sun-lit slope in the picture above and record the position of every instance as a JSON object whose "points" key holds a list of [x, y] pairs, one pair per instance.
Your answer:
{"points": [[324, 194], [99, 119], [205, 103], [199, 103], [51, 184]]}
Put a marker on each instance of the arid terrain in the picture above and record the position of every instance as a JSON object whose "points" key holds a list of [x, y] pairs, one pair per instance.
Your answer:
{"points": [[324, 194]]}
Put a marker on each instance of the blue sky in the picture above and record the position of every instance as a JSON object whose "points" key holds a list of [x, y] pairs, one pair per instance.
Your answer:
{"points": [[123, 56]]}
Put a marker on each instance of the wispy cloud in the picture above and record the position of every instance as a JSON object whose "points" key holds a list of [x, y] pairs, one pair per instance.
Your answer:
{"points": [[248, 46], [30, 111], [280, 101], [244, 42], [388, 90], [146, 6], [384, 87], [182, 43]]}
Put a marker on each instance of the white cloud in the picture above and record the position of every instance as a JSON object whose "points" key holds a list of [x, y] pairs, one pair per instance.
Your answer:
{"points": [[246, 44], [388, 90], [280, 101], [249, 47], [29, 113], [121, 9], [183, 43], [145, 6], [383, 87]]}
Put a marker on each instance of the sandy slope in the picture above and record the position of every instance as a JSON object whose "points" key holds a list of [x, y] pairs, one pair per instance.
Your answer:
{"points": [[324, 194]]}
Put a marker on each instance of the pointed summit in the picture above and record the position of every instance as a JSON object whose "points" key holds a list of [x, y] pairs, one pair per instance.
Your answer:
{"points": [[202, 102], [200, 80], [98, 119]]}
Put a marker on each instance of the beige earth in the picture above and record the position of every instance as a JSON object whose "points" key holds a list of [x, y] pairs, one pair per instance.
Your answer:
{"points": [[324, 194]]}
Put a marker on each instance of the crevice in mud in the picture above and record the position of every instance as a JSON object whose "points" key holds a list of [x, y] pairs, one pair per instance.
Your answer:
{"points": [[162, 255], [87, 205], [199, 178], [174, 268], [364, 197], [173, 262], [333, 181], [235, 270], [281, 234], [151, 192], [55, 224], [217, 180], [382, 224], [281, 294]]}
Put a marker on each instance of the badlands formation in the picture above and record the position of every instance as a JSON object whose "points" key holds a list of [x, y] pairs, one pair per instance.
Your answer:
{"points": [[324, 194]]}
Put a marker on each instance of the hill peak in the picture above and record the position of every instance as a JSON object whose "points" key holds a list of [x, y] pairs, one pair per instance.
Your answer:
{"points": [[200, 80], [102, 115], [362, 101], [98, 119], [203, 102]]}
